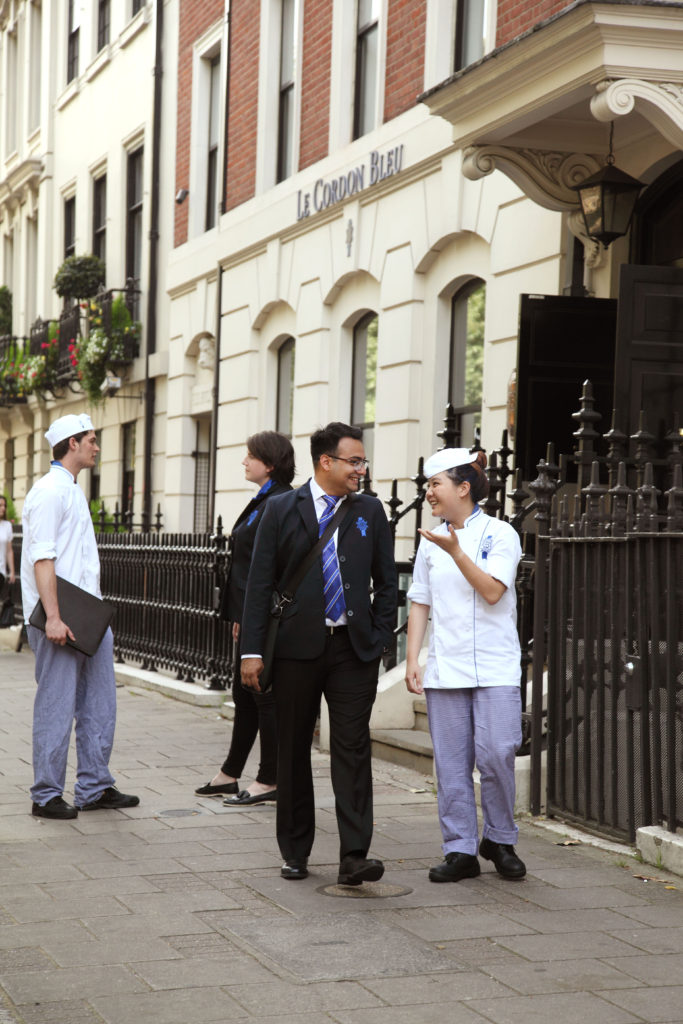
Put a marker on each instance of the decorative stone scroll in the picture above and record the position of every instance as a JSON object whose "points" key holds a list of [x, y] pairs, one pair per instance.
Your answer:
{"points": [[661, 103], [545, 176]]}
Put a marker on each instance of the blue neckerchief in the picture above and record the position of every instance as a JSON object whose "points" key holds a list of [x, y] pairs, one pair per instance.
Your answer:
{"points": [[266, 487]]}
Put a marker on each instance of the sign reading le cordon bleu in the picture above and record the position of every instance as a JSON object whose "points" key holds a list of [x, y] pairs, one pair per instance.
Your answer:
{"points": [[328, 191]]}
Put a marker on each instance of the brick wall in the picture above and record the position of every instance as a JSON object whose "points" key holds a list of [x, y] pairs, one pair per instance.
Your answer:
{"points": [[405, 55], [517, 16], [243, 100], [315, 81], [193, 20]]}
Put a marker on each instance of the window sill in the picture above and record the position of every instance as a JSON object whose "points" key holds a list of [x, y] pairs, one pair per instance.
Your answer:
{"points": [[135, 26], [72, 89], [100, 62]]}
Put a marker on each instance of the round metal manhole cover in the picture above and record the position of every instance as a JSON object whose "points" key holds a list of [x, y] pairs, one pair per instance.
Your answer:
{"points": [[366, 891], [180, 812]]}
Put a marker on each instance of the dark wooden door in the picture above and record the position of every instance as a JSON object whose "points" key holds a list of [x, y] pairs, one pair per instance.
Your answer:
{"points": [[648, 372], [563, 340]]}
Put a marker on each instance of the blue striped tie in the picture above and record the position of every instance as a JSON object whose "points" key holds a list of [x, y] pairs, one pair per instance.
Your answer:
{"points": [[334, 592]]}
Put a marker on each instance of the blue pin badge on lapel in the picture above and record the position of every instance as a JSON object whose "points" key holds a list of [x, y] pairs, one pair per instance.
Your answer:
{"points": [[362, 525]]}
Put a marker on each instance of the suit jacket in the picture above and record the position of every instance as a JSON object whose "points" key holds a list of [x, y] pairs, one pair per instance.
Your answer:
{"points": [[288, 530], [241, 546]]}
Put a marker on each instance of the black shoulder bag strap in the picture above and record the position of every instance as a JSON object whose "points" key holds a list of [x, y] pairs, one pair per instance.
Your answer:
{"points": [[288, 591]]}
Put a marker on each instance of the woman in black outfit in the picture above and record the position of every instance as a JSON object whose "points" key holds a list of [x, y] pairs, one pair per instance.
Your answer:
{"points": [[269, 463]]}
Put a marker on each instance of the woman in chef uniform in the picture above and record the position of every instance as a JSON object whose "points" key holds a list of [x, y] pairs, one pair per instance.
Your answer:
{"points": [[465, 577]]}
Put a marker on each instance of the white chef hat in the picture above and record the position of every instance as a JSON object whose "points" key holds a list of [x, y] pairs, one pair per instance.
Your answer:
{"points": [[448, 458], [68, 426]]}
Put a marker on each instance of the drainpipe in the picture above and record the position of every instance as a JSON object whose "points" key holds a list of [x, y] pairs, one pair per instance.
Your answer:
{"points": [[213, 443], [153, 282], [214, 412]]}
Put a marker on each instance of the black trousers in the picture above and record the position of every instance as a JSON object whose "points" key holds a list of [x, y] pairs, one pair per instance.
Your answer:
{"points": [[349, 686], [254, 713]]}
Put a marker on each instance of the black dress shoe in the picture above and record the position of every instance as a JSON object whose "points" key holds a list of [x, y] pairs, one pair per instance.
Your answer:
{"points": [[222, 789], [111, 800], [355, 869], [506, 861], [295, 869], [455, 867], [245, 797], [56, 808]]}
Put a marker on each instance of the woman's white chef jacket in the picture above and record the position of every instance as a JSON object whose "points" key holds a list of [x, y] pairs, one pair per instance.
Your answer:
{"points": [[472, 643], [5, 539], [57, 525]]}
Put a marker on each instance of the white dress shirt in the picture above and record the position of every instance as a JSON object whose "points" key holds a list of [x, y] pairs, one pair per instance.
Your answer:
{"points": [[472, 643], [319, 504], [57, 525]]}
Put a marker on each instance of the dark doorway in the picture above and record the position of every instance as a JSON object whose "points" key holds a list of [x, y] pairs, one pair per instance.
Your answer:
{"points": [[563, 340], [648, 371]]}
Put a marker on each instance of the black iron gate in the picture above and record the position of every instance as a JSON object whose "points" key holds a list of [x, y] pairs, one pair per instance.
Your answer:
{"points": [[615, 658]]}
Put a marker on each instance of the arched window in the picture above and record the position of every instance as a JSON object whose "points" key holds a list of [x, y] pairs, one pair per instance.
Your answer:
{"points": [[285, 387], [466, 360], [364, 378]]}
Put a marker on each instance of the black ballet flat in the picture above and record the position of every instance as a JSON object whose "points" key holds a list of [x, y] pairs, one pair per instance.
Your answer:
{"points": [[222, 789]]}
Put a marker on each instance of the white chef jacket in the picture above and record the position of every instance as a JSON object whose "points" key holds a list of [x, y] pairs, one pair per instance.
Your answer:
{"points": [[472, 643], [5, 539], [57, 525]]}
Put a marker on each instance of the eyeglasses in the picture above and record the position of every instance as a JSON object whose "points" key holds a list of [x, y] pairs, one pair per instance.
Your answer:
{"points": [[356, 463]]}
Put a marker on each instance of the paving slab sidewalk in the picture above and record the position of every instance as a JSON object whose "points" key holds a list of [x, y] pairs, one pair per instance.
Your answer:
{"points": [[175, 911]]}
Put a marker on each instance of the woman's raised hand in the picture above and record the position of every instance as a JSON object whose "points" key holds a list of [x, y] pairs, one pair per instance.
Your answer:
{"points": [[450, 544]]}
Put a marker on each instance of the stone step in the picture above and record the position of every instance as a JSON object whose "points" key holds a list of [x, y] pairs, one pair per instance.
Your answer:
{"points": [[420, 709], [410, 748]]}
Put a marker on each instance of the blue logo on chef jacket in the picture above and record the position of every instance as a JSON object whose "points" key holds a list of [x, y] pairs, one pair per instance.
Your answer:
{"points": [[362, 525], [486, 547]]}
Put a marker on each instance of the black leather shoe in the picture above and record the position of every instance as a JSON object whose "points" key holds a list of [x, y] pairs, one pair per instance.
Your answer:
{"points": [[222, 789], [111, 800], [355, 869], [455, 867], [295, 869], [56, 808], [506, 861]]}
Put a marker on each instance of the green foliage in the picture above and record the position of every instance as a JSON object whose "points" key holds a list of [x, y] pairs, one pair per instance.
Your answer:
{"points": [[11, 510], [5, 311], [474, 362], [95, 507], [79, 277]]}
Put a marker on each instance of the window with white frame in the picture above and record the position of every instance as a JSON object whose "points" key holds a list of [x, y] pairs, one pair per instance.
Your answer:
{"points": [[466, 360], [69, 226], [11, 106], [471, 20], [214, 69], [99, 217], [72, 45], [134, 220], [285, 387], [288, 69], [35, 70], [364, 378], [136, 6], [103, 23], [201, 476], [367, 61]]}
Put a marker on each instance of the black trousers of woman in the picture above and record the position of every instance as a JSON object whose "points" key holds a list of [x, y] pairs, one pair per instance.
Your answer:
{"points": [[254, 714]]}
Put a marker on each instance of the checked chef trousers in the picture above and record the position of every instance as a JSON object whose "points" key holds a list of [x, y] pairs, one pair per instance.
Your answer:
{"points": [[479, 726], [71, 686]]}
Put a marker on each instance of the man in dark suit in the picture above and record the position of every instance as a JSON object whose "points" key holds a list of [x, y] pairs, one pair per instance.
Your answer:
{"points": [[329, 643]]}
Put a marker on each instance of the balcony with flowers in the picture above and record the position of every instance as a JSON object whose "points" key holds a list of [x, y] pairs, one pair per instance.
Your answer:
{"points": [[95, 335]]}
